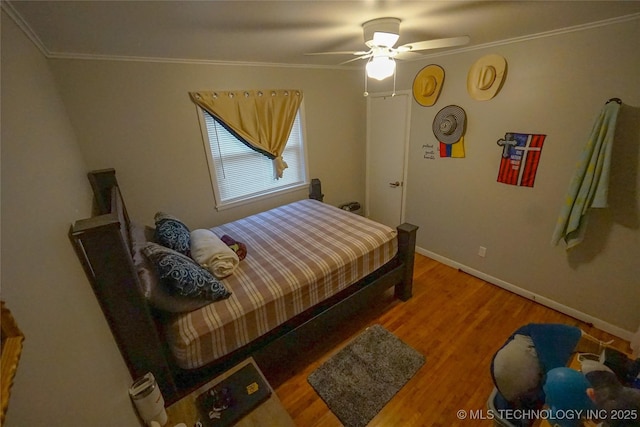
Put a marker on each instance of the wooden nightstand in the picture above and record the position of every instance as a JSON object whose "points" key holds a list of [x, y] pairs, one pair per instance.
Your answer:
{"points": [[267, 414]]}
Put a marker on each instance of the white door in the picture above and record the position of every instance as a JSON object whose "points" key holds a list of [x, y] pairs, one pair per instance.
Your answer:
{"points": [[387, 147]]}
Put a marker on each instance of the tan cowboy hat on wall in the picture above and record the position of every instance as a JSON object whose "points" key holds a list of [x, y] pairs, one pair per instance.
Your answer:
{"points": [[486, 77], [428, 84]]}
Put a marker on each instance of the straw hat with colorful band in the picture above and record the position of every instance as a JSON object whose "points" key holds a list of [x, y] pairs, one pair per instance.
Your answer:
{"points": [[427, 85], [449, 124], [486, 76]]}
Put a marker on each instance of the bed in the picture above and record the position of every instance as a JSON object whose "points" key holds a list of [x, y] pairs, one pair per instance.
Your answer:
{"points": [[306, 262]]}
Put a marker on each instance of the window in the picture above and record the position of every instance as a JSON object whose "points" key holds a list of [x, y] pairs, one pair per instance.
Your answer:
{"points": [[240, 174]]}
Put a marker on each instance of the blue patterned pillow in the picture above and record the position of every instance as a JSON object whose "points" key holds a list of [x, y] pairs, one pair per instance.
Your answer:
{"points": [[183, 275], [172, 233]]}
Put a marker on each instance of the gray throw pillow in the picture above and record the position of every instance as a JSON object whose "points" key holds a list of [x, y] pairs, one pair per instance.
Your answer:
{"points": [[183, 275]]}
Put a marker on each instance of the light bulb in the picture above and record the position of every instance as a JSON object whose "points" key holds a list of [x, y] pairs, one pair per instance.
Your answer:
{"points": [[381, 67]]}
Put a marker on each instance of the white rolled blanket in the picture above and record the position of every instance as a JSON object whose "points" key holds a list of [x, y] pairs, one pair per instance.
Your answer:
{"points": [[212, 253]]}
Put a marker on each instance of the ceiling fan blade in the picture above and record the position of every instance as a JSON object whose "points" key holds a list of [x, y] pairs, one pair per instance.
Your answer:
{"points": [[338, 53], [408, 55], [356, 59], [434, 44]]}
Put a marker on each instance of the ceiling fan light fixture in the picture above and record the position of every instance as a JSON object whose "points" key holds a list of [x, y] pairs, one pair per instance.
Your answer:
{"points": [[381, 67], [381, 32], [385, 39]]}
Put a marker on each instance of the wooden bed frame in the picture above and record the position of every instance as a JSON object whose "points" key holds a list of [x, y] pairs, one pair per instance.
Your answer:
{"points": [[103, 246]]}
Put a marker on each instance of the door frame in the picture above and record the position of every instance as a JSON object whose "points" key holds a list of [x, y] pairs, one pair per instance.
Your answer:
{"points": [[405, 166]]}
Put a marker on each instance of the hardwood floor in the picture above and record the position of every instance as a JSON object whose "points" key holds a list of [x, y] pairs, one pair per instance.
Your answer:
{"points": [[456, 320]]}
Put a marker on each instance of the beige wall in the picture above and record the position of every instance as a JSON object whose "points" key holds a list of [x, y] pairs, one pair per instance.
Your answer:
{"points": [[71, 372], [138, 118], [555, 86]]}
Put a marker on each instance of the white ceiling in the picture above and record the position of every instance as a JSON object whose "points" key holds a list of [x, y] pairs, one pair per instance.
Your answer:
{"points": [[281, 32]]}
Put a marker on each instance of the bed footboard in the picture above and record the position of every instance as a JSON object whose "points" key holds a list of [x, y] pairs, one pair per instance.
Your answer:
{"points": [[406, 255]]}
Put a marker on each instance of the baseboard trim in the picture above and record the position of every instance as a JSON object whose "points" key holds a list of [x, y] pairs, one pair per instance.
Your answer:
{"points": [[598, 323]]}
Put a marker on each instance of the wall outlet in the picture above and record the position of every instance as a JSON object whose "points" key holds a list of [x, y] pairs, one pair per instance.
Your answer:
{"points": [[482, 251]]}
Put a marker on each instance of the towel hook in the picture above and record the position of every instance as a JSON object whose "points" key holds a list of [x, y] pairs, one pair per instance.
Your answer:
{"points": [[618, 100]]}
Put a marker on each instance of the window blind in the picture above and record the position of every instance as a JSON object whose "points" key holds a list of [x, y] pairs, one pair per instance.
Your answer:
{"points": [[240, 173]]}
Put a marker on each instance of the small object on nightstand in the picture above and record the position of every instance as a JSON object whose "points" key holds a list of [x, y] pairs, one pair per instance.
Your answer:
{"points": [[233, 398], [222, 399], [351, 207]]}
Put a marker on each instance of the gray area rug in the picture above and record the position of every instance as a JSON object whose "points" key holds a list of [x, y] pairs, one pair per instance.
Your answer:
{"points": [[361, 378]]}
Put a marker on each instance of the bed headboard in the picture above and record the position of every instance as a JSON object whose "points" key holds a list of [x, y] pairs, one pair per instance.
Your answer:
{"points": [[103, 245]]}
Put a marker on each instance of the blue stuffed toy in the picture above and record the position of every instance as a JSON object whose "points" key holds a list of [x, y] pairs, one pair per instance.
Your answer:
{"points": [[566, 396]]}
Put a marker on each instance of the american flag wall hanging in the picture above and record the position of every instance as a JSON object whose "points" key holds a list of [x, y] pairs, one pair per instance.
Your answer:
{"points": [[520, 157]]}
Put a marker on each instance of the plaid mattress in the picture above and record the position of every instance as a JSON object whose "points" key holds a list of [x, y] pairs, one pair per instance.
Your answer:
{"points": [[297, 255]]}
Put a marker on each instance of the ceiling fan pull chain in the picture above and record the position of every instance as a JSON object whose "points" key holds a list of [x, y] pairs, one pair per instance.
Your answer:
{"points": [[394, 82], [366, 78]]}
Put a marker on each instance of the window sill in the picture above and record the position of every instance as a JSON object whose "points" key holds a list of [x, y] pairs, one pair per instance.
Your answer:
{"points": [[263, 196]]}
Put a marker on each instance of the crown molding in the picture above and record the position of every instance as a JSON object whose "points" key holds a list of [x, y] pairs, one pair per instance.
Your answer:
{"points": [[529, 37], [10, 10], [94, 57]]}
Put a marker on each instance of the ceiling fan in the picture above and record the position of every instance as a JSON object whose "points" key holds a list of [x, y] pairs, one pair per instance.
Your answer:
{"points": [[380, 36]]}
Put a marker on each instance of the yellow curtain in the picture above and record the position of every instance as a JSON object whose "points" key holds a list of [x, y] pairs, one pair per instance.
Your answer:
{"points": [[261, 118]]}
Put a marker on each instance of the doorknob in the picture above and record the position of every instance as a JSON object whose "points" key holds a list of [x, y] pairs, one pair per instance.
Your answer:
{"points": [[395, 184]]}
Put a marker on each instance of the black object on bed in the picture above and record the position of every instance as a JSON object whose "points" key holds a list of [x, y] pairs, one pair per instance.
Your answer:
{"points": [[103, 246]]}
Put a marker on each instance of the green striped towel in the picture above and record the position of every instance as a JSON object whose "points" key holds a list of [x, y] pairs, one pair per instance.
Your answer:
{"points": [[590, 184]]}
